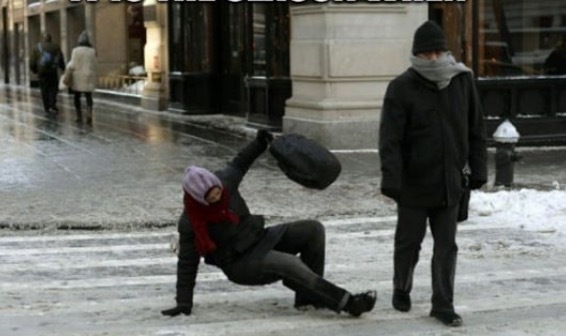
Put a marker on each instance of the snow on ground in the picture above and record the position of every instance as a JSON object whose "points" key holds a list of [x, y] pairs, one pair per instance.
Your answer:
{"points": [[528, 209]]}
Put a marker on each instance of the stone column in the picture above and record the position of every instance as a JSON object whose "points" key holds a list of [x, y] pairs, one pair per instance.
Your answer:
{"points": [[63, 39], [343, 55], [154, 96], [90, 22]]}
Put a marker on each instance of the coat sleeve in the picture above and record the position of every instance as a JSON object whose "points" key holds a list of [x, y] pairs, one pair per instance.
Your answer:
{"points": [[187, 263], [477, 158], [241, 163], [391, 134]]}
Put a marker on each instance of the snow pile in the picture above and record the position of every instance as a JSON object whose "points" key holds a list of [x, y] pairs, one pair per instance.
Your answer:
{"points": [[528, 209]]}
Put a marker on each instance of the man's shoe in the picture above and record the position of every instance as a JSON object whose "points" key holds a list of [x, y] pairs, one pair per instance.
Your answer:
{"points": [[449, 318], [401, 301], [361, 303]]}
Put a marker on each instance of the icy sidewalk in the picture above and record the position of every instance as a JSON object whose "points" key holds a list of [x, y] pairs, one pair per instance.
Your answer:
{"points": [[509, 282]]}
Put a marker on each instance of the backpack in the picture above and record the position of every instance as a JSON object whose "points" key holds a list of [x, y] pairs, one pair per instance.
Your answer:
{"points": [[47, 61]]}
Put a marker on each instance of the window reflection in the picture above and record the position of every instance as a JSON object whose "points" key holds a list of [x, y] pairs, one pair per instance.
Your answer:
{"points": [[522, 37], [189, 26], [258, 47]]}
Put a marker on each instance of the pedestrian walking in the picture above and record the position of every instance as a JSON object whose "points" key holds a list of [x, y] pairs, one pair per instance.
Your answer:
{"points": [[82, 68], [216, 224], [45, 61], [431, 130]]}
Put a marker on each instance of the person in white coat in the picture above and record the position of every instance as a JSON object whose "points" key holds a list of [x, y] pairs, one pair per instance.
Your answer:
{"points": [[83, 68]]}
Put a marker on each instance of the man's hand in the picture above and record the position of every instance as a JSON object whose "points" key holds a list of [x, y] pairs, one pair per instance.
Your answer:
{"points": [[179, 309], [392, 193]]}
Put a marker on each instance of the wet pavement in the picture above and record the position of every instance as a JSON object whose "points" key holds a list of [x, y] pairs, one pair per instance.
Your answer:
{"points": [[125, 170]]}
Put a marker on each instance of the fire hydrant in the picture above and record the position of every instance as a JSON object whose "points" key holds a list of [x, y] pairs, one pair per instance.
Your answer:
{"points": [[505, 136]]}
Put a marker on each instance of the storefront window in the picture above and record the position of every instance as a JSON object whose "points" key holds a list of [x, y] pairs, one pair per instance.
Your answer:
{"points": [[521, 38], [258, 46], [279, 34], [270, 40], [136, 38], [191, 49]]}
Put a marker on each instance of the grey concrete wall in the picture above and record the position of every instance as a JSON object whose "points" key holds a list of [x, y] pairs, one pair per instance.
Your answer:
{"points": [[342, 58]]}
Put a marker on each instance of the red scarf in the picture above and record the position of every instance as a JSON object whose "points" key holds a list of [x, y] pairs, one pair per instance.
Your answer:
{"points": [[201, 215]]}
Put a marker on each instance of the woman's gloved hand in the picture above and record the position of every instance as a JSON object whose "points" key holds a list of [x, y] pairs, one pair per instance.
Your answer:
{"points": [[264, 136]]}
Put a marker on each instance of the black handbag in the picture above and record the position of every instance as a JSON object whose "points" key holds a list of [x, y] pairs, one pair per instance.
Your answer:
{"points": [[464, 205], [305, 161], [465, 198]]}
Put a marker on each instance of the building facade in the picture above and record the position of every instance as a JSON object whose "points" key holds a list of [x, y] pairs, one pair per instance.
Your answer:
{"points": [[517, 49], [117, 32], [230, 59], [320, 69]]}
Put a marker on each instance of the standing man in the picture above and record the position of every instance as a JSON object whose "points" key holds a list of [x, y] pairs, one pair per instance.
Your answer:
{"points": [[431, 130], [555, 63], [45, 60]]}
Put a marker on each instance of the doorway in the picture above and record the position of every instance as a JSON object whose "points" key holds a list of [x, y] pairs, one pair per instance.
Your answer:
{"points": [[5, 53], [231, 64], [75, 25], [19, 51], [208, 56]]}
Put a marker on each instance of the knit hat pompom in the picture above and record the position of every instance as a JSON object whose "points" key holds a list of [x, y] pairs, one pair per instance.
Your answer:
{"points": [[198, 181], [429, 37]]}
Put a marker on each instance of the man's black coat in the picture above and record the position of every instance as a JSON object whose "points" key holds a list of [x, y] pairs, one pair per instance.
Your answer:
{"points": [[427, 136]]}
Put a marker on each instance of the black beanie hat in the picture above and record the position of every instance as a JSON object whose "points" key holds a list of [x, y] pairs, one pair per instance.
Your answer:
{"points": [[429, 37]]}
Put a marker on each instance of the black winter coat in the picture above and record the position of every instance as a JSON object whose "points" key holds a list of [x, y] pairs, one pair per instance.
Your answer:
{"points": [[427, 136], [52, 48], [232, 240]]}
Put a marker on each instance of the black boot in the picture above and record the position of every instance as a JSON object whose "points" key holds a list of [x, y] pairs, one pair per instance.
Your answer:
{"points": [[401, 301], [361, 303], [79, 117], [303, 302], [449, 318], [89, 115]]}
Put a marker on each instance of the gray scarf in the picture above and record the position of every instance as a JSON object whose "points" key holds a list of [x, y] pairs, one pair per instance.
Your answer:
{"points": [[439, 71]]}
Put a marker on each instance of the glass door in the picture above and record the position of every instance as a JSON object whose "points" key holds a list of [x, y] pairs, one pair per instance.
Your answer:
{"points": [[192, 77], [232, 60]]}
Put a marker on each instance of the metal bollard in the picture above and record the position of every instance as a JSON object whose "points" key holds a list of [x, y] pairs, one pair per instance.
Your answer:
{"points": [[505, 136]]}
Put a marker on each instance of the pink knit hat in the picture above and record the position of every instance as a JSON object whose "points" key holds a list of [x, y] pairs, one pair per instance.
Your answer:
{"points": [[198, 181]]}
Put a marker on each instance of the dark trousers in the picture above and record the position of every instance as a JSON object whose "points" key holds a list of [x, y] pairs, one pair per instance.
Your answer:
{"points": [[303, 274], [77, 99], [409, 234], [49, 87]]}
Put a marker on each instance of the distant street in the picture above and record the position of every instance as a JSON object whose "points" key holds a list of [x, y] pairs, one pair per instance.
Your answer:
{"points": [[126, 170]]}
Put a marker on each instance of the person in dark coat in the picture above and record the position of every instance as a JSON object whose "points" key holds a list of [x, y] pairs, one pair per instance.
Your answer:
{"points": [[216, 224], [431, 131], [555, 63], [48, 75]]}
